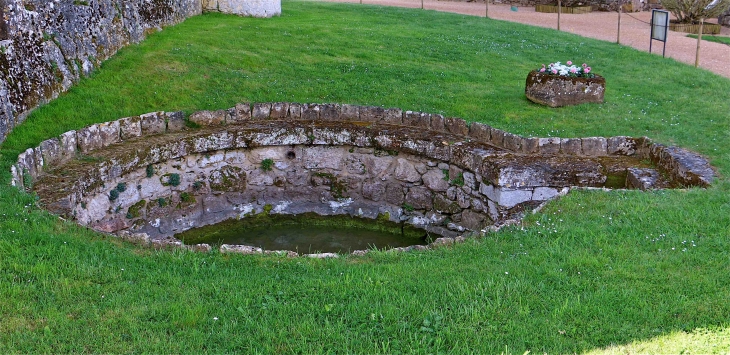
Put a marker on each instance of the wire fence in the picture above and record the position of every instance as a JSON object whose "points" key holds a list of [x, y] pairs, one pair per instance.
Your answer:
{"points": [[624, 27]]}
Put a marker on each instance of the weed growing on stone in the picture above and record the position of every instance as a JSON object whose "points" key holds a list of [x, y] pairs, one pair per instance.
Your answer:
{"points": [[267, 164], [174, 179], [458, 180]]}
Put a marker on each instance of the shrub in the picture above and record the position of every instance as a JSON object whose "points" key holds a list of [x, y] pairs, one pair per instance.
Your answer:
{"points": [[691, 11]]}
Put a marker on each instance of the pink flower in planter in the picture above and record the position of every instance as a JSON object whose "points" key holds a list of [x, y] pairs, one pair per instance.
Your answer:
{"points": [[555, 71], [585, 65], [542, 70], [573, 70], [569, 63], [587, 70]]}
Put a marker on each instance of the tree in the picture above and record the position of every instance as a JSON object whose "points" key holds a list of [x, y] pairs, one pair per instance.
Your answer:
{"points": [[691, 11]]}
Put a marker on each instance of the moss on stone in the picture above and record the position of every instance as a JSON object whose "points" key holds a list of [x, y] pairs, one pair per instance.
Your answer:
{"points": [[134, 211]]}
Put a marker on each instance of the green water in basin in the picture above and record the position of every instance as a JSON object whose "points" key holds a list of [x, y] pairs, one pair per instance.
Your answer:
{"points": [[308, 233]]}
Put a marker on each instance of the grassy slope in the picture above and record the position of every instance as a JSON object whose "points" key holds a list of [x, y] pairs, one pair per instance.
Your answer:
{"points": [[593, 269], [712, 38]]}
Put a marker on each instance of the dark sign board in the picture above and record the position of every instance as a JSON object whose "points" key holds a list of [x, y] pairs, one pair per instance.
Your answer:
{"points": [[659, 27]]}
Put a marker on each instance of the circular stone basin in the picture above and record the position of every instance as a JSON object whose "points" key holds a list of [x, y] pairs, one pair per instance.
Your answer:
{"points": [[308, 233], [150, 178]]}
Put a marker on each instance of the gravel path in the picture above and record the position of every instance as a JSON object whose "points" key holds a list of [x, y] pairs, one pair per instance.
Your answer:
{"points": [[635, 30]]}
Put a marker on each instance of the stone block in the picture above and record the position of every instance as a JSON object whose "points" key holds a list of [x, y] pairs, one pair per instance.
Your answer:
{"points": [[687, 168], [544, 193], [419, 198], [199, 248], [463, 199], [642, 178], [480, 132], [473, 220], [89, 139], [451, 193], [152, 123], [208, 118], [238, 114], [531, 145], [513, 142], [444, 205], [329, 112], [51, 152], [496, 137], [322, 256], [594, 146], [176, 121], [295, 111], [130, 127], [374, 191], [371, 113], [570, 146], [470, 180], [239, 249], [645, 149], [109, 133], [310, 112], [393, 116], [279, 110], [506, 198], [435, 180], [261, 111], [323, 158], [350, 112], [68, 145], [621, 145], [28, 163], [456, 126], [405, 171], [17, 176], [417, 119], [437, 122], [464, 155], [477, 205], [549, 145], [216, 141], [394, 194]]}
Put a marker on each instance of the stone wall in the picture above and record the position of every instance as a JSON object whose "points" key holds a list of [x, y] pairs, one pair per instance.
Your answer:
{"points": [[255, 8], [47, 45], [154, 174]]}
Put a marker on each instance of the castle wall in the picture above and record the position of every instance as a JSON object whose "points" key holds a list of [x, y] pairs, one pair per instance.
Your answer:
{"points": [[48, 45]]}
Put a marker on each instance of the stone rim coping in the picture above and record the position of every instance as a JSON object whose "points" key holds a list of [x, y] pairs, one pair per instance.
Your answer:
{"points": [[685, 167]]}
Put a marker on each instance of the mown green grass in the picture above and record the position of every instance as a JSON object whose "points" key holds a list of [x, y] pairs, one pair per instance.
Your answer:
{"points": [[711, 38], [592, 270]]}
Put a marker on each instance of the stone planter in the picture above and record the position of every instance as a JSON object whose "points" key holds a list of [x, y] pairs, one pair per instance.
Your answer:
{"points": [[557, 91], [707, 28], [551, 9]]}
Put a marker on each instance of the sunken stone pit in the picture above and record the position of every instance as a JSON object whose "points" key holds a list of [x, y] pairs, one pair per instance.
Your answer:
{"points": [[153, 176]]}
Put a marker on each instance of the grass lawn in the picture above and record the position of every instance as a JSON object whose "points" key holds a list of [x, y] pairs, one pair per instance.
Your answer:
{"points": [[602, 272], [711, 38]]}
